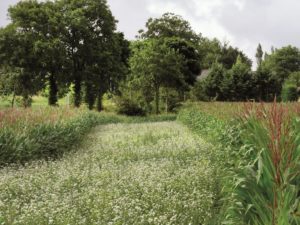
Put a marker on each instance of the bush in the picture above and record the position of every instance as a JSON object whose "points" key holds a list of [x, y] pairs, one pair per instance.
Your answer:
{"points": [[289, 93], [129, 108]]}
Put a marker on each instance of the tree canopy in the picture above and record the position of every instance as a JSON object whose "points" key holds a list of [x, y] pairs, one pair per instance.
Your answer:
{"points": [[63, 42], [73, 46]]}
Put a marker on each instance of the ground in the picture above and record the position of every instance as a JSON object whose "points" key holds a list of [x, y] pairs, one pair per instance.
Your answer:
{"points": [[150, 173]]}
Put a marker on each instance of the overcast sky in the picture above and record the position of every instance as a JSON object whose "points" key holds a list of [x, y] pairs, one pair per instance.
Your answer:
{"points": [[244, 23]]}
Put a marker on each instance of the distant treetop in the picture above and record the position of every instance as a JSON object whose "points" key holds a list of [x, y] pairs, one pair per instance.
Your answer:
{"points": [[169, 25]]}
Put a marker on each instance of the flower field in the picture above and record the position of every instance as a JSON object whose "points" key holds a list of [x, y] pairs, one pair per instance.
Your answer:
{"points": [[219, 163], [147, 173]]}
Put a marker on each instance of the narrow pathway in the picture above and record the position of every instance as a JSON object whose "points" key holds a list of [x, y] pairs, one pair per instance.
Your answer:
{"points": [[151, 173]]}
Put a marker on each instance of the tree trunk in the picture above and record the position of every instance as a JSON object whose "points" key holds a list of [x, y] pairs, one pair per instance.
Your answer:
{"points": [[77, 92], [26, 100], [157, 99], [14, 97], [99, 102], [90, 97], [167, 99], [53, 91]]}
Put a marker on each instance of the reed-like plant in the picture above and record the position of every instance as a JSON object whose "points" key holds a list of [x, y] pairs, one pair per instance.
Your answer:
{"points": [[266, 189]]}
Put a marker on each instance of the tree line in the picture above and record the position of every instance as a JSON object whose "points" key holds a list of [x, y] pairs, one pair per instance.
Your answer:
{"points": [[62, 44], [73, 46], [277, 76]]}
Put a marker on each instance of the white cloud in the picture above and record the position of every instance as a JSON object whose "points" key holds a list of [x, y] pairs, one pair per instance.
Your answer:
{"points": [[244, 23]]}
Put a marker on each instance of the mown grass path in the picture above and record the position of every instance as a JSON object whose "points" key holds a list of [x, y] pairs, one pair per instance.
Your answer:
{"points": [[151, 173]]}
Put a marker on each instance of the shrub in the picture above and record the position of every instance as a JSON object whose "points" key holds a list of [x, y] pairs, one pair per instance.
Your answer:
{"points": [[129, 108], [289, 93]]}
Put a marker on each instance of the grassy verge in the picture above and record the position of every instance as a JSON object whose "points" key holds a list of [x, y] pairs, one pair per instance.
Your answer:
{"points": [[225, 137]]}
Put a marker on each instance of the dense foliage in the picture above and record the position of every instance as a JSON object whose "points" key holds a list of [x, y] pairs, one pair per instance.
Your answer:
{"points": [[258, 159], [72, 47], [40, 134], [53, 44], [236, 82]]}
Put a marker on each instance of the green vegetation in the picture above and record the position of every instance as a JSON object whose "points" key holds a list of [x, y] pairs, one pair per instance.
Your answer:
{"points": [[163, 175], [247, 174], [60, 45], [258, 161], [240, 166], [28, 135], [153, 74]]}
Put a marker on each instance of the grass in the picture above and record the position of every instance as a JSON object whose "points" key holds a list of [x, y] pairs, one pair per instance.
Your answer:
{"points": [[47, 133], [227, 111], [37, 102], [146, 173]]}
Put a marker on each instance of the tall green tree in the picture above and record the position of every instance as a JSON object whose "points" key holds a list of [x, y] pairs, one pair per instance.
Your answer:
{"points": [[89, 29], [229, 56], [267, 84], [179, 36], [259, 55], [214, 81], [190, 55], [284, 61], [210, 51], [167, 26], [50, 47], [17, 52], [110, 67], [238, 82], [155, 65]]}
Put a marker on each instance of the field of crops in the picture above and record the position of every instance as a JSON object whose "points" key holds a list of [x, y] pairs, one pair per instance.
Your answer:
{"points": [[151, 173], [232, 163], [258, 154]]}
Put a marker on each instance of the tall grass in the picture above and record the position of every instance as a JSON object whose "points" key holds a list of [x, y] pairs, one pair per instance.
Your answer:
{"points": [[48, 133], [257, 152], [27, 135], [267, 189], [225, 137]]}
